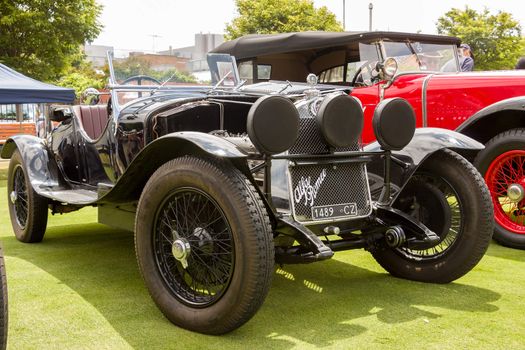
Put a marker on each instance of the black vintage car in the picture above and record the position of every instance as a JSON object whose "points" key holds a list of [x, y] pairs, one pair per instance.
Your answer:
{"points": [[220, 183]]}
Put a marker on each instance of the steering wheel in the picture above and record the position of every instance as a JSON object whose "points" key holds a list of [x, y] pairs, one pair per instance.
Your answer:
{"points": [[358, 74], [140, 79]]}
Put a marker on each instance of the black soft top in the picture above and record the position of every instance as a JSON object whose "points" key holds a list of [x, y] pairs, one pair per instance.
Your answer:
{"points": [[255, 45]]}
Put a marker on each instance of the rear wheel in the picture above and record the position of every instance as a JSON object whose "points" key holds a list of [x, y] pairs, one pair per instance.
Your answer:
{"points": [[502, 163], [204, 244], [27, 209], [449, 196], [3, 303]]}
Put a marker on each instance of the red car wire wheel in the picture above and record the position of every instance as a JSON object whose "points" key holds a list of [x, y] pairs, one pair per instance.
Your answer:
{"points": [[505, 178]]}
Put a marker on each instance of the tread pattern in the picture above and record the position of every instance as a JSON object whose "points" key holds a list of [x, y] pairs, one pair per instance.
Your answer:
{"points": [[483, 235], [3, 303], [255, 215], [487, 211], [37, 207]]}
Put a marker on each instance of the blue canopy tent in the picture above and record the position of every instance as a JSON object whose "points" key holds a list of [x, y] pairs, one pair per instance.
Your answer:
{"points": [[21, 94], [16, 88]]}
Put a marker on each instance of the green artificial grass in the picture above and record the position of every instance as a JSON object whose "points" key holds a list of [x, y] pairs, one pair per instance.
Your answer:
{"points": [[81, 289]]}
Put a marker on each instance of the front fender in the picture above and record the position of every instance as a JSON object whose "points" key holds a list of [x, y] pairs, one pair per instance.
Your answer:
{"points": [[510, 104], [495, 119], [42, 170], [129, 186], [426, 141]]}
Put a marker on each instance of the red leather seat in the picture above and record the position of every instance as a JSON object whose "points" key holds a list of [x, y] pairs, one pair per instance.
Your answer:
{"points": [[93, 119]]}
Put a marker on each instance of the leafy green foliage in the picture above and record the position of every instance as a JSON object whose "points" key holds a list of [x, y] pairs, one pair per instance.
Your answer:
{"points": [[81, 75], [80, 81], [41, 38], [495, 39], [280, 16], [133, 66]]}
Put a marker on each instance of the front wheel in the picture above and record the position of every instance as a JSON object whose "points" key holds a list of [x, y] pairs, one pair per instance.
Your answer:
{"points": [[204, 244], [448, 195], [502, 163]]}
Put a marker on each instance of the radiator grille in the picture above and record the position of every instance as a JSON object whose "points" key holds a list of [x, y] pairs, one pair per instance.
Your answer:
{"points": [[310, 139], [316, 185], [329, 184]]}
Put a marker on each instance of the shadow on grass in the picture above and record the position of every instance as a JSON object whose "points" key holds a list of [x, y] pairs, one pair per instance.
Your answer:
{"points": [[315, 304], [498, 251]]}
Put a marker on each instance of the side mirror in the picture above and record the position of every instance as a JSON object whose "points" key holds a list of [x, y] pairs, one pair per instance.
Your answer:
{"points": [[90, 96], [60, 113]]}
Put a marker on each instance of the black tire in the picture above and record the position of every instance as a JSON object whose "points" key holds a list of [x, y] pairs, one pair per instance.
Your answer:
{"points": [[238, 281], [27, 209], [504, 143], [465, 225], [3, 303]]}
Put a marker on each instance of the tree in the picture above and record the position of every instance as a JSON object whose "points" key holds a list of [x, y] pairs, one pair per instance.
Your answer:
{"points": [[495, 39], [40, 38], [280, 16], [80, 76]]}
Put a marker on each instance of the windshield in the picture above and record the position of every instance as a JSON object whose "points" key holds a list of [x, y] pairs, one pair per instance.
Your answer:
{"points": [[150, 69], [416, 56], [150, 73], [142, 75]]}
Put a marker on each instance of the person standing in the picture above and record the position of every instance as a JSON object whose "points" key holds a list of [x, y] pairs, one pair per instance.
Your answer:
{"points": [[521, 63], [466, 59]]}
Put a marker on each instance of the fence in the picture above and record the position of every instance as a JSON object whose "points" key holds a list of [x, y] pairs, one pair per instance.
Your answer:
{"points": [[26, 123], [30, 112]]}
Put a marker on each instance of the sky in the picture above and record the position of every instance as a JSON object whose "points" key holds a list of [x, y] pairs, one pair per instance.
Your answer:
{"points": [[155, 25]]}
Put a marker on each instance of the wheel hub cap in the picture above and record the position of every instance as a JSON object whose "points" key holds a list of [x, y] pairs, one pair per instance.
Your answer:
{"points": [[13, 197], [181, 250], [515, 193]]}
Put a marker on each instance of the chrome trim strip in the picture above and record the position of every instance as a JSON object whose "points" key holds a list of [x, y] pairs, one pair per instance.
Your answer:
{"points": [[424, 99]]}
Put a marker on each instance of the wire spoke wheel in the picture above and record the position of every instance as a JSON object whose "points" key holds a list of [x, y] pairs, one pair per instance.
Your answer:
{"points": [[204, 244], [193, 220], [448, 195], [444, 218], [19, 196], [27, 209], [505, 178]]}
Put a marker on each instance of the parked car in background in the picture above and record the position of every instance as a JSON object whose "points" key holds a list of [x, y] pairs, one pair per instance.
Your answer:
{"points": [[487, 106], [219, 183]]}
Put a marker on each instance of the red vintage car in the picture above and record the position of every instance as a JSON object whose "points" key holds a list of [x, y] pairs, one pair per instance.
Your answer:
{"points": [[487, 106]]}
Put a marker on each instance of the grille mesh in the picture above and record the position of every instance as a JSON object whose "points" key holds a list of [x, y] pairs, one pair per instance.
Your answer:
{"points": [[310, 139], [344, 183]]}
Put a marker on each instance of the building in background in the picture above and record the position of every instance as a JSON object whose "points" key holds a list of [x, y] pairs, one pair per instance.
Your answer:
{"points": [[96, 54], [189, 59], [196, 54]]}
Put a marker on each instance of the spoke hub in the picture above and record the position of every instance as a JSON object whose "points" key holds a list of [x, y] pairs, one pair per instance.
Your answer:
{"points": [[181, 250], [13, 197], [515, 193]]}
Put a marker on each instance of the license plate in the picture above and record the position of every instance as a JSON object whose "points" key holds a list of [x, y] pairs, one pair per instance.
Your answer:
{"points": [[324, 212]]}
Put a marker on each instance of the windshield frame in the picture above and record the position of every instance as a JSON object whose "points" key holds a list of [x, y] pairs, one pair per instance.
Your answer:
{"points": [[410, 44], [115, 88]]}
